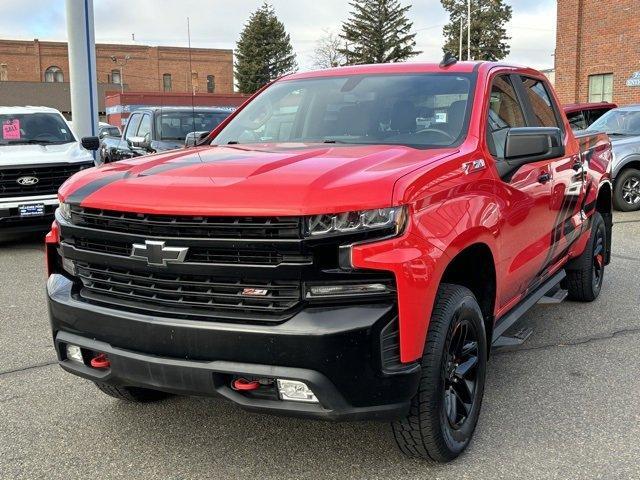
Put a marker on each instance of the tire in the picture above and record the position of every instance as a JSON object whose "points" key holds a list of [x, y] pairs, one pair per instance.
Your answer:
{"points": [[626, 191], [132, 394], [428, 431], [586, 272]]}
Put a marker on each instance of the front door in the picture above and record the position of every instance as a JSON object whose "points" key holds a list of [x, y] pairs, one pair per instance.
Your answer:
{"points": [[524, 195]]}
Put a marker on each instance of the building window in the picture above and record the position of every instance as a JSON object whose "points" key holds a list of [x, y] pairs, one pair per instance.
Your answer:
{"points": [[211, 84], [166, 82], [4, 72], [115, 76], [53, 74], [601, 88]]}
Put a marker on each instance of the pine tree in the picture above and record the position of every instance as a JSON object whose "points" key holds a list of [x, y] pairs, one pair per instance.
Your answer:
{"points": [[378, 32], [263, 52], [488, 34]]}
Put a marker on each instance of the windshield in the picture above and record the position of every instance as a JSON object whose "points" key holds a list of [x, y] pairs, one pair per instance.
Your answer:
{"points": [[37, 128], [176, 125], [422, 110], [618, 122]]}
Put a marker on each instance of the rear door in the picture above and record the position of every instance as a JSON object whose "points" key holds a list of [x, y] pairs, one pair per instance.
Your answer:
{"points": [[524, 195], [566, 171]]}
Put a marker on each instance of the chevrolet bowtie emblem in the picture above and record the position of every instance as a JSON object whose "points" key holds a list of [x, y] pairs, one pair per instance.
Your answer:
{"points": [[155, 253]]}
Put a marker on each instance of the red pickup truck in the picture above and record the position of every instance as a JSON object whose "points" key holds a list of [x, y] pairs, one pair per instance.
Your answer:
{"points": [[349, 244]]}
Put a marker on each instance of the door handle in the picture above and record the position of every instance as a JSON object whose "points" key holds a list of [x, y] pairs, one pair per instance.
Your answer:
{"points": [[544, 177]]}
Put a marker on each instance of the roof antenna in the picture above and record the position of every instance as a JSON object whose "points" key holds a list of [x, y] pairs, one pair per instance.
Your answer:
{"points": [[448, 60]]}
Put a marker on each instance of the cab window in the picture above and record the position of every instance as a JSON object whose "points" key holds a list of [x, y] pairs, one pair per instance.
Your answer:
{"points": [[541, 104], [505, 112]]}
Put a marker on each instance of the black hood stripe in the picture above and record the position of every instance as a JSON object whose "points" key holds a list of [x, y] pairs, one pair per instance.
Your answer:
{"points": [[83, 192]]}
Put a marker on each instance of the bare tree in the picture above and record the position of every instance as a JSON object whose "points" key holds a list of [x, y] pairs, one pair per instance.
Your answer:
{"points": [[327, 53]]}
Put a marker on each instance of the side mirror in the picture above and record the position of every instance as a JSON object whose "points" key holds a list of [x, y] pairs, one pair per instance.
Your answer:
{"points": [[193, 138], [142, 143], [531, 144], [90, 143]]}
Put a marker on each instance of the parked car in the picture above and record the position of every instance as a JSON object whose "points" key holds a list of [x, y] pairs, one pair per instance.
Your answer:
{"points": [[104, 130], [581, 115], [38, 152], [108, 130], [623, 127], [327, 257], [158, 129]]}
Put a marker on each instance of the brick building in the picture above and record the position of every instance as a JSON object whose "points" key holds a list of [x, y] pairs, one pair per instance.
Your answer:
{"points": [[598, 51], [147, 69]]}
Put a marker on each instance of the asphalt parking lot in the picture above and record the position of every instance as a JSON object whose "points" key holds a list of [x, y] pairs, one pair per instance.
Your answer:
{"points": [[565, 405]]}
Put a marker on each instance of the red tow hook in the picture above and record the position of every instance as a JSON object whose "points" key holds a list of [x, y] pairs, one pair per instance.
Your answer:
{"points": [[101, 361], [245, 385]]}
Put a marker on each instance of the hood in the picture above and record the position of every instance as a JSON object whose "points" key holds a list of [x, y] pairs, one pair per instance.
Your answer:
{"points": [[15, 155], [237, 180]]}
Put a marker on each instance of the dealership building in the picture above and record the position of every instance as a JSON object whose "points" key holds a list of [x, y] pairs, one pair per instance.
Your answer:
{"points": [[37, 72], [597, 54]]}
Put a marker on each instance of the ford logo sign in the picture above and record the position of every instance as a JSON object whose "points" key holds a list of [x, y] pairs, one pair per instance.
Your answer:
{"points": [[27, 180]]}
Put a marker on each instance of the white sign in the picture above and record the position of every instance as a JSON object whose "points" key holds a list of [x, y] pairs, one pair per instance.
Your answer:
{"points": [[634, 81]]}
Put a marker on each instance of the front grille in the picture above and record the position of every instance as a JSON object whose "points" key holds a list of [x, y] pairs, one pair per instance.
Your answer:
{"points": [[188, 226], [49, 179], [231, 255], [197, 293]]}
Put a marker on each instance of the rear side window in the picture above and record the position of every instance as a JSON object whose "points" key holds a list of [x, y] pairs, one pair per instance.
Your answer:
{"points": [[595, 114], [505, 112], [577, 120], [541, 104]]}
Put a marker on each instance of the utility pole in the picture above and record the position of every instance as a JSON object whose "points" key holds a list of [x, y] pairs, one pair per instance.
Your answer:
{"points": [[82, 67], [121, 64], [468, 29]]}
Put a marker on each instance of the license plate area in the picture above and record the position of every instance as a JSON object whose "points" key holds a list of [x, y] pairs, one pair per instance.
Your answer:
{"points": [[31, 210]]}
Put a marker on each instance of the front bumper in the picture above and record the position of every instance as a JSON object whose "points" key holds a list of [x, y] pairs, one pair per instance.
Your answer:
{"points": [[12, 223], [336, 351]]}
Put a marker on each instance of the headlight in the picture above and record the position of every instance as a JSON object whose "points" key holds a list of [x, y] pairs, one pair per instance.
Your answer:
{"points": [[65, 210], [392, 218]]}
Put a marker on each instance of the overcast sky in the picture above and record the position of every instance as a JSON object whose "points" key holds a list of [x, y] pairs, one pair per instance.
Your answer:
{"points": [[217, 23]]}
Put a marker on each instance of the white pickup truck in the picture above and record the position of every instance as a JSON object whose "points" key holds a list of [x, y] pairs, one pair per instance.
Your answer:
{"points": [[38, 152]]}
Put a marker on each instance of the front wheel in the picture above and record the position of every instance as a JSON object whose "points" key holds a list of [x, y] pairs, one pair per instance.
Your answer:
{"points": [[626, 192], [445, 411]]}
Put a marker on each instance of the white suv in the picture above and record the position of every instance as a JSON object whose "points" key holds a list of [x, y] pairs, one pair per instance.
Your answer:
{"points": [[38, 152]]}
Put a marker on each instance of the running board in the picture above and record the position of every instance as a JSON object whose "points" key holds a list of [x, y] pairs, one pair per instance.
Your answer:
{"points": [[525, 305], [514, 340], [553, 296]]}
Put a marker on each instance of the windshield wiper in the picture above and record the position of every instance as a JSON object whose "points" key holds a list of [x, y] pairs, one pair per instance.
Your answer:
{"points": [[233, 142]]}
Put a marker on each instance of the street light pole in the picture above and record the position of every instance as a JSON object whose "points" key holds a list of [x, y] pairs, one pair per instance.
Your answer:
{"points": [[460, 46], [468, 29], [121, 64]]}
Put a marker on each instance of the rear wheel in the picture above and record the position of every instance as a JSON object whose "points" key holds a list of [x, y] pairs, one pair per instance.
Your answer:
{"points": [[626, 193], [586, 273], [444, 412], [132, 394]]}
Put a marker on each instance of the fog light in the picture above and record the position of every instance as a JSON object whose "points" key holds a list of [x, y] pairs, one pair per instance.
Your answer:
{"points": [[316, 291], [69, 266], [74, 353], [295, 391]]}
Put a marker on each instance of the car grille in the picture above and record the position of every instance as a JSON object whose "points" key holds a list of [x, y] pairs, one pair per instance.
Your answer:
{"points": [[231, 255], [199, 294], [49, 179], [188, 226]]}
